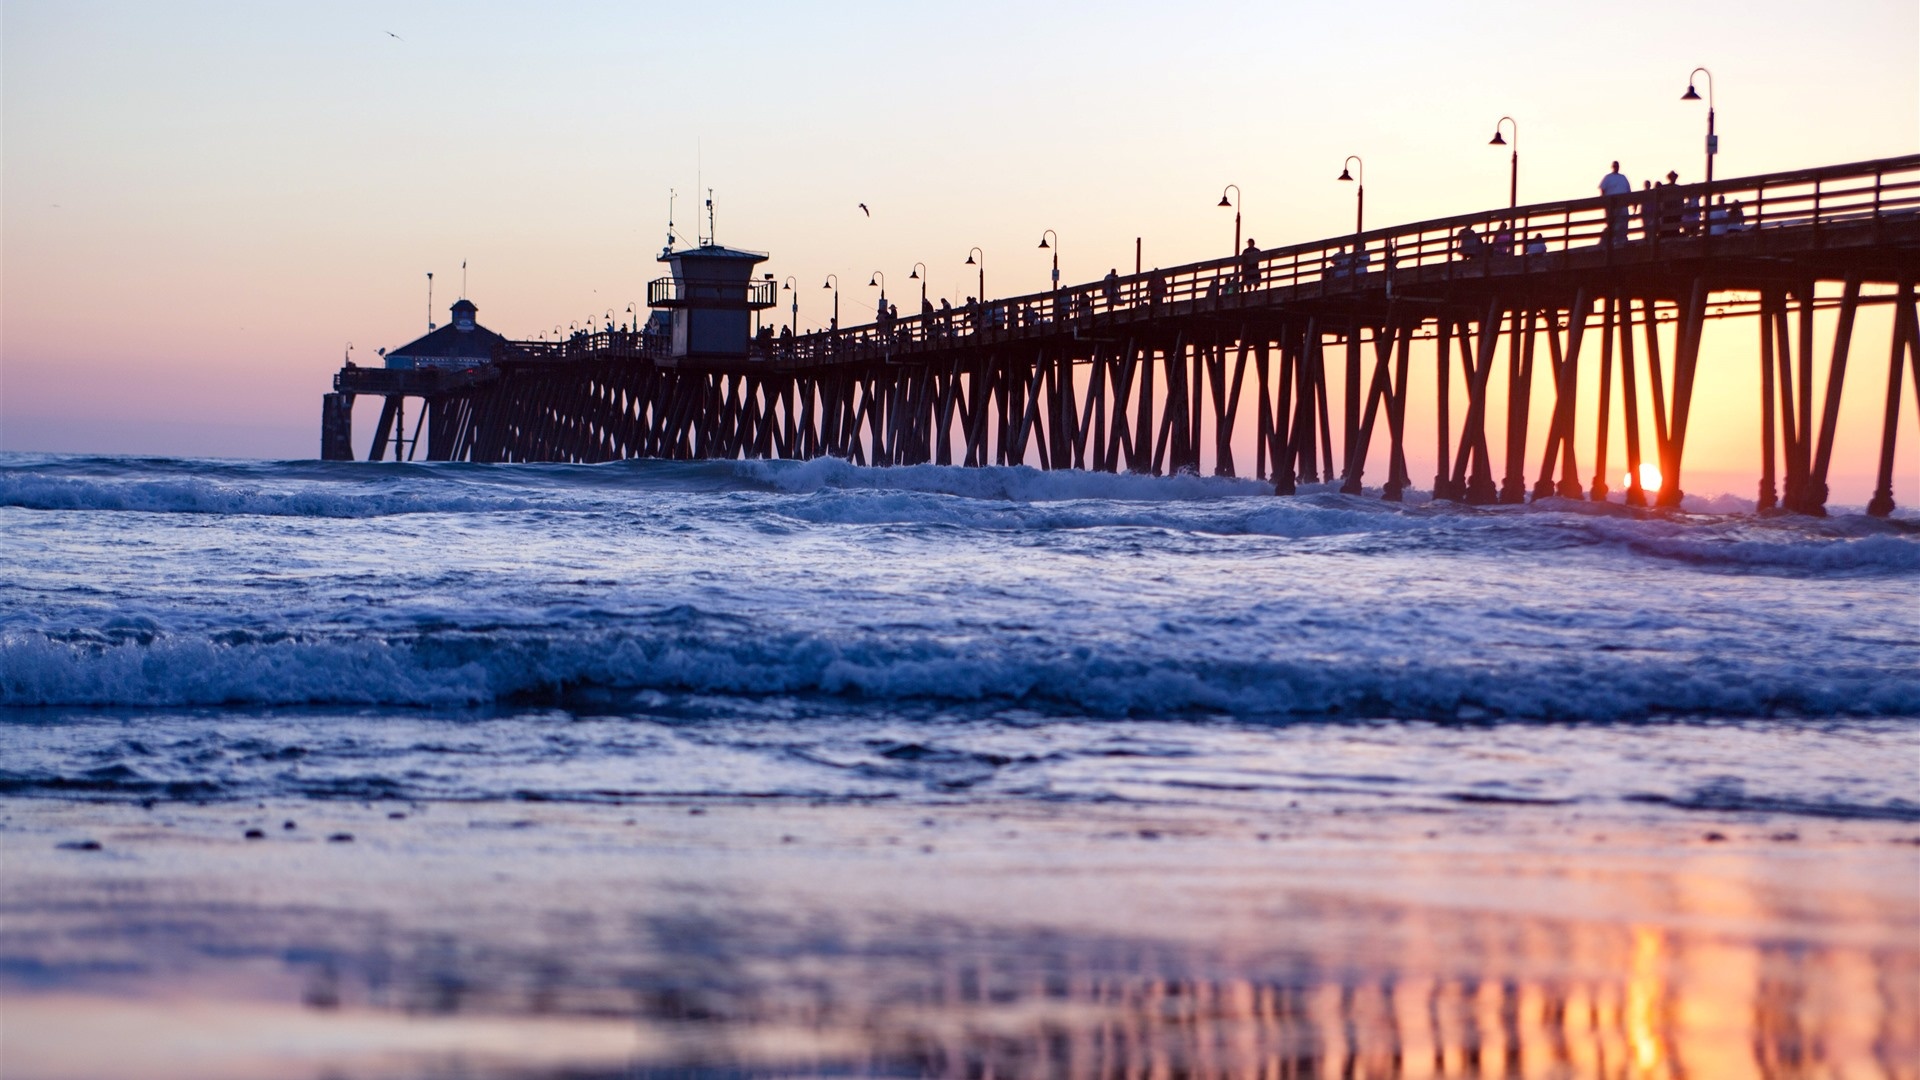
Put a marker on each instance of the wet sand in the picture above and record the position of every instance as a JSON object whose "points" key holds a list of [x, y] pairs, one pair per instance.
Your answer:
{"points": [[731, 937]]}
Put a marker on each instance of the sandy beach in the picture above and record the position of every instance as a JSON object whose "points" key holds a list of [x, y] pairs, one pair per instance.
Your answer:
{"points": [[732, 937]]}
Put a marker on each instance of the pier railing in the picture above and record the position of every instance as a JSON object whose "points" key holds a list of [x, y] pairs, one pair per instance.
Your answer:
{"points": [[1690, 220]]}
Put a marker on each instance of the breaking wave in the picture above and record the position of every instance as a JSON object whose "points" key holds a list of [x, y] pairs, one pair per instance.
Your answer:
{"points": [[467, 669]]}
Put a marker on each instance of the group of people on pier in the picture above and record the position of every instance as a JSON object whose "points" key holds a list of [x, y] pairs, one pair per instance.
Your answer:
{"points": [[1663, 212]]}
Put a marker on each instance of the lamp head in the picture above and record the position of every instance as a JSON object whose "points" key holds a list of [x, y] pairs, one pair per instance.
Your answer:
{"points": [[915, 275], [969, 258], [1224, 202], [1344, 174], [1043, 240], [1498, 139], [1691, 94]]}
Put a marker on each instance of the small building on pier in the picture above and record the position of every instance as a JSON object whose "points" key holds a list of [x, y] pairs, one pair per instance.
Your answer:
{"points": [[462, 343], [710, 295]]}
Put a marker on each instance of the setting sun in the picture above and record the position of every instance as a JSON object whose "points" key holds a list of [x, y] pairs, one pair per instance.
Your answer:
{"points": [[1649, 477]]}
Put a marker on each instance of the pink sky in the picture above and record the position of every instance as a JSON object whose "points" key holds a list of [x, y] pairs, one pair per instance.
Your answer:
{"points": [[204, 203]]}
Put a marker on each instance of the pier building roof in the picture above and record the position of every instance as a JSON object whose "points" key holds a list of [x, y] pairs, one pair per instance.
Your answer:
{"points": [[463, 342]]}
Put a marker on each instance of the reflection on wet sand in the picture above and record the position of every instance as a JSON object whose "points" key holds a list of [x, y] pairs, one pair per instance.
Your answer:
{"points": [[705, 994], [621, 943], [1688, 1008]]}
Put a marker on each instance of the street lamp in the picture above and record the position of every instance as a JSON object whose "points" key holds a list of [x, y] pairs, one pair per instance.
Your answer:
{"points": [[1713, 141], [917, 276], [1513, 181], [982, 264], [833, 282], [1359, 192], [795, 324], [1056, 254], [635, 321], [1236, 212]]}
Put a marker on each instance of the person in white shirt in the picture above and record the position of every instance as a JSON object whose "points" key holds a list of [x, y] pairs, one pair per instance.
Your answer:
{"points": [[1614, 185]]}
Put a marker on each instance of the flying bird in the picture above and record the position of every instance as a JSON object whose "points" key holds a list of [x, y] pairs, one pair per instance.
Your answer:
{"points": [[394, 36], [864, 210]]}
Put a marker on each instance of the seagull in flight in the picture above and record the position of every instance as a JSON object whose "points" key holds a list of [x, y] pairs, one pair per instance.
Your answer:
{"points": [[394, 36], [864, 210]]}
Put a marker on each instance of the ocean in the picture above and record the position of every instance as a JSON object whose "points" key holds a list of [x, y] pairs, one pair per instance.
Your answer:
{"points": [[550, 647]]}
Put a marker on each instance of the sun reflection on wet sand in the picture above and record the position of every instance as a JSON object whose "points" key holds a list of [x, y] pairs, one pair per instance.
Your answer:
{"points": [[1019, 948]]}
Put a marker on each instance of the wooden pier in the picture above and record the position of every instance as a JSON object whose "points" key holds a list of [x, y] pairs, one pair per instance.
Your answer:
{"points": [[1153, 372]]}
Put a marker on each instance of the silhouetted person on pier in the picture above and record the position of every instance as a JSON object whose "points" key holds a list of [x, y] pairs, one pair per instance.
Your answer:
{"points": [[1503, 241], [973, 314], [1471, 246], [1110, 286], [1250, 266], [1668, 202], [1616, 187], [1156, 289]]}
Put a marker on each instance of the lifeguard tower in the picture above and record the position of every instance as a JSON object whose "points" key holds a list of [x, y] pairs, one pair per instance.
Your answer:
{"points": [[710, 297]]}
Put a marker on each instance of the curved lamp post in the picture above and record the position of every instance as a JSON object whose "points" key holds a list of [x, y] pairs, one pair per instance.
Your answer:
{"points": [[833, 282], [1359, 192], [1513, 174], [789, 286], [1713, 141], [921, 278], [1056, 253], [982, 264], [1236, 212]]}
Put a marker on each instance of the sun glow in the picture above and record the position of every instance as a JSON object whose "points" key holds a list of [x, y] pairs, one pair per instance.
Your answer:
{"points": [[1649, 477]]}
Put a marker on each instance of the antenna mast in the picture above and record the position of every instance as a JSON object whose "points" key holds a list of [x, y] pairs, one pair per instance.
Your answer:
{"points": [[429, 301], [463, 279], [709, 215], [671, 194]]}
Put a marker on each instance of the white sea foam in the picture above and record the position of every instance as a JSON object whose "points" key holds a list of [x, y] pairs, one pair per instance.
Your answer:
{"points": [[190, 495], [470, 670]]}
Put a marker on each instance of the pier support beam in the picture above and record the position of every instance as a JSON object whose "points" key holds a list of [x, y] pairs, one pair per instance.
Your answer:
{"points": [[1598, 493], [1906, 350], [336, 427]]}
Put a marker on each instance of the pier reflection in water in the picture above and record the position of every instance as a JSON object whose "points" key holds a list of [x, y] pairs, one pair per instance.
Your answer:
{"points": [[1435, 995]]}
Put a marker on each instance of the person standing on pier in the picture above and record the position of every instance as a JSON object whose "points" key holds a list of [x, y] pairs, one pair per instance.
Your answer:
{"points": [[1110, 285], [1615, 186], [1668, 204], [1250, 266]]}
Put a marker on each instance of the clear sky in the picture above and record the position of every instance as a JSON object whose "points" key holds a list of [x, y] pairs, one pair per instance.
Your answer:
{"points": [[203, 203]]}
